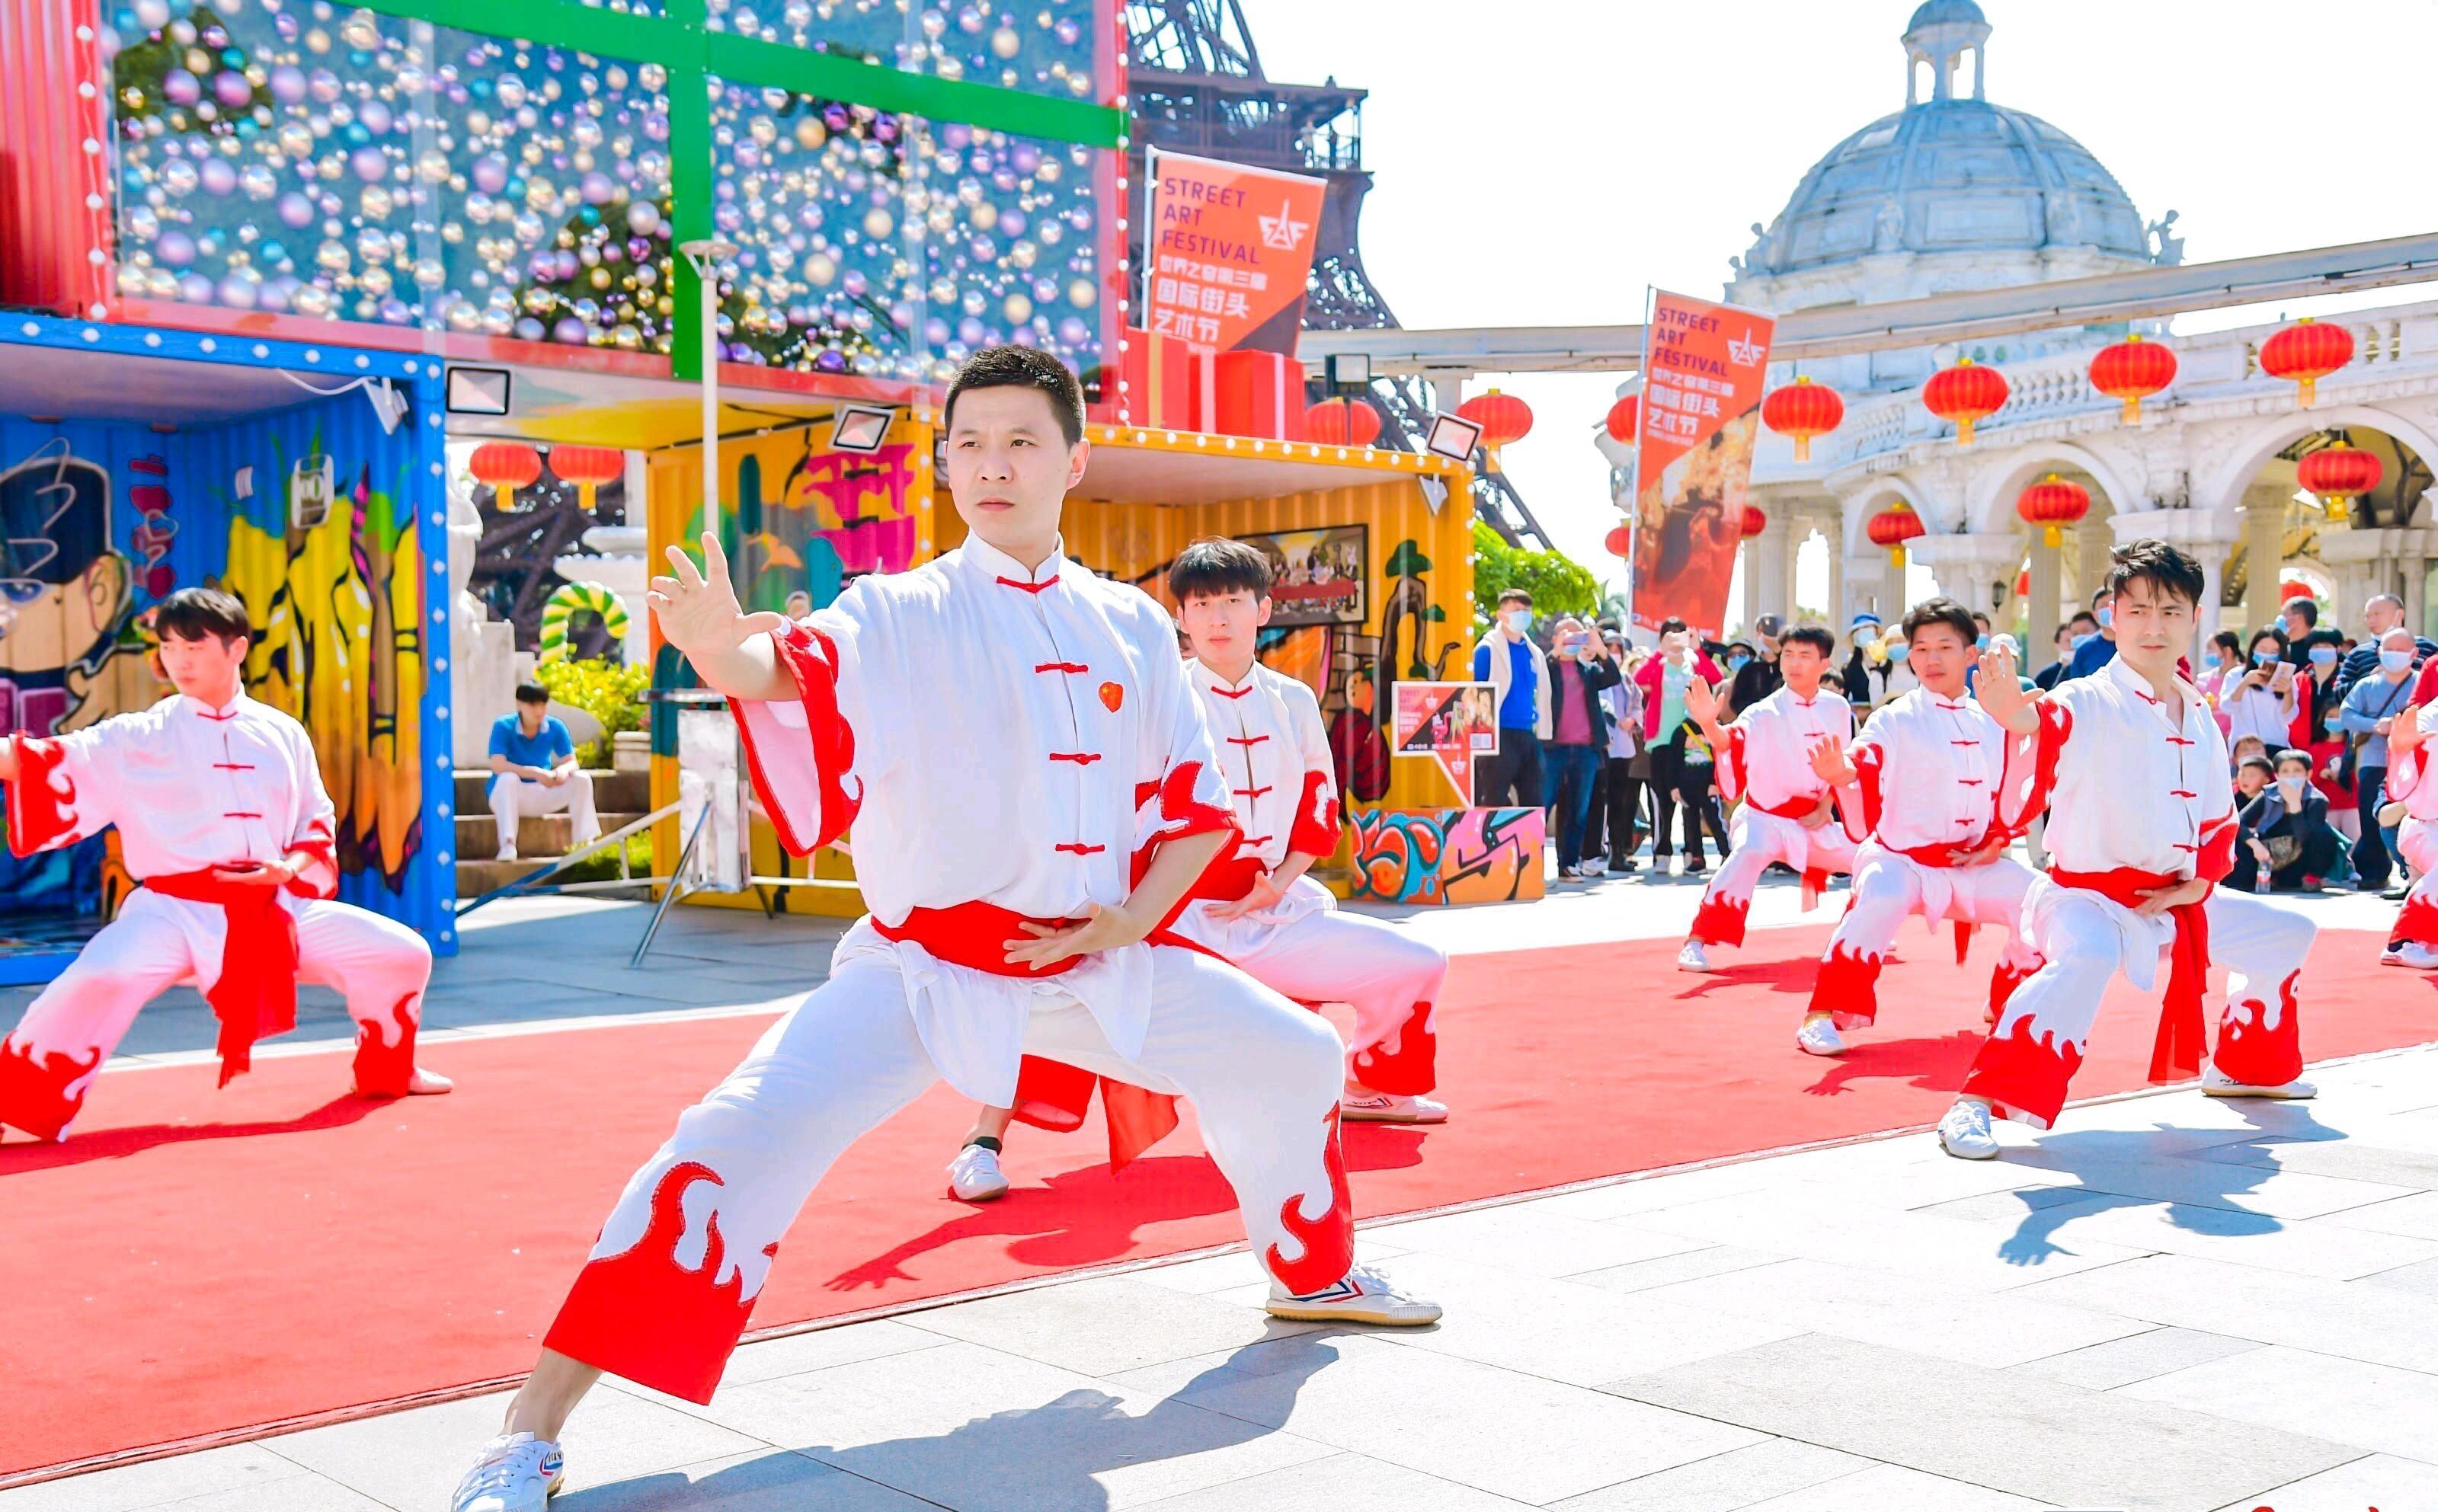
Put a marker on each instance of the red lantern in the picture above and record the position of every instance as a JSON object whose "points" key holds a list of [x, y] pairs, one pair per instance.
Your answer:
{"points": [[2340, 473], [587, 468], [2307, 352], [1754, 521], [1965, 393], [1342, 422], [1803, 410], [1892, 527], [505, 467], [1503, 417], [1620, 541], [2131, 371], [2052, 502], [1622, 417]]}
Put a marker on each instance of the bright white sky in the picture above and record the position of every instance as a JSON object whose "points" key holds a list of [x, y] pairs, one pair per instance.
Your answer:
{"points": [[1516, 148]]}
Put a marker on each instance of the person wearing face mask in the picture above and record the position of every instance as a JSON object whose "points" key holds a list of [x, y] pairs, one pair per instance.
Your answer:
{"points": [[2300, 617], [1901, 680], [2253, 775], [2221, 665], [2367, 716], [1861, 677], [2098, 649], [2262, 701], [2069, 635], [1675, 779], [1761, 677], [2384, 612], [2287, 828], [1507, 661], [2315, 725], [1579, 672]]}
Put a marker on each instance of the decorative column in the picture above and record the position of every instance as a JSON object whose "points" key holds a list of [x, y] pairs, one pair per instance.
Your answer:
{"points": [[2044, 611], [2395, 560], [1968, 566], [2264, 551], [1866, 586], [1766, 571]]}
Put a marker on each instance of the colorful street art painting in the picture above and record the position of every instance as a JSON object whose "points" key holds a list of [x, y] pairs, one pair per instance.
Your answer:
{"points": [[100, 519], [1449, 856]]}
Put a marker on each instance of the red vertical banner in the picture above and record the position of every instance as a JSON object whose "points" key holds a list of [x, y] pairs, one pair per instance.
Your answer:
{"points": [[1228, 251], [1703, 367]]}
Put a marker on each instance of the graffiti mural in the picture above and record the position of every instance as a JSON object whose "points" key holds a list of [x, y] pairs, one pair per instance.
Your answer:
{"points": [[1446, 856]]}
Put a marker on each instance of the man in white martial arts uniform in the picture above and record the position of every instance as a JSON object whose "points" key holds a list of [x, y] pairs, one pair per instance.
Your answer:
{"points": [[1919, 790], [1787, 813], [2131, 766], [1255, 907], [1004, 733], [222, 817], [2413, 941]]}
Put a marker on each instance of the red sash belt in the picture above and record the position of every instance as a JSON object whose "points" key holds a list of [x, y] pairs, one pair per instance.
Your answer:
{"points": [[1939, 855], [2177, 1052], [1797, 809], [1048, 1093], [255, 995]]}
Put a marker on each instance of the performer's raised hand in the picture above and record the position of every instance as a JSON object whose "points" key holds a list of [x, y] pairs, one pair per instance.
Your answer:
{"points": [[1830, 765], [2001, 695], [699, 615], [1102, 928], [2406, 732], [1701, 702]]}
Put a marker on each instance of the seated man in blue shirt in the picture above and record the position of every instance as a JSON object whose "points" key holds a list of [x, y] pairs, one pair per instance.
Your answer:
{"points": [[533, 770]]}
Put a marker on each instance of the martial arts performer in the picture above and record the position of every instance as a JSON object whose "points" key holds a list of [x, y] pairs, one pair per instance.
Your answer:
{"points": [[2130, 767], [1002, 731], [1919, 790], [222, 819], [1788, 814], [1256, 907], [2415, 940]]}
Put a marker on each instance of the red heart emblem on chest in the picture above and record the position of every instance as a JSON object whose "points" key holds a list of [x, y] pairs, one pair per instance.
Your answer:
{"points": [[1114, 696]]}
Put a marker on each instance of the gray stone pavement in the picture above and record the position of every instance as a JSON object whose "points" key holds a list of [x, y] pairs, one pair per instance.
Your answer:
{"points": [[2167, 1303]]}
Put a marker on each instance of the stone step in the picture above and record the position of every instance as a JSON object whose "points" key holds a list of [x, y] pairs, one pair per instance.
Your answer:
{"points": [[475, 878], [627, 791], [537, 835]]}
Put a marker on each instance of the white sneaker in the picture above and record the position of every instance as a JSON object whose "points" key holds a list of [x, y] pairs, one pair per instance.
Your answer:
{"points": [[2216, 1084], [974, 1176], [1692, 958], [1388, 1107], [2411, 955], [516, 1472], [508, 851], [1965, 1131], [1597, 867], [1818, 1036], [1364, 1296]]}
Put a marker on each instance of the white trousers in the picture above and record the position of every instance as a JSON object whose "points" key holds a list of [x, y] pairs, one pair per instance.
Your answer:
{"points": [[378, 964], [1390, 979], [1888, 888], [2084, 939], [515, 797], [672, 1281], [1756, 839]]}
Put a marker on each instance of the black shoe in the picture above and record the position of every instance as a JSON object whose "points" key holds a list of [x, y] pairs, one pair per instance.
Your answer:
{"points": [[1623, 863], [1694, 869], [2395, 894]]}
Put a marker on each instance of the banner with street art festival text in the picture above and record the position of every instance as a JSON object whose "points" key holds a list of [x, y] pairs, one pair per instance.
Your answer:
{"points": [[1230, 249], [1702, 370]]}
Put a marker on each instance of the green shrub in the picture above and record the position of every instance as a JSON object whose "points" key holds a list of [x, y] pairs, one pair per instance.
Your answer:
{"points": [[610, 692]]}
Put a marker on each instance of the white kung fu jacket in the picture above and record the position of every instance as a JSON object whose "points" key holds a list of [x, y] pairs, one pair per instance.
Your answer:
{"points": [[1767, 760], [1275, 755], [993, 737]]}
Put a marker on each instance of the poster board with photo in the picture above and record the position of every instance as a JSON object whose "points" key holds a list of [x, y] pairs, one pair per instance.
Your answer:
{"points": [[1449, 722], [1317, 576]]}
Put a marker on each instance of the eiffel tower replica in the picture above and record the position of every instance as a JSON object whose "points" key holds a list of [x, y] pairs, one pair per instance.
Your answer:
{"points": [[1197, 87]]}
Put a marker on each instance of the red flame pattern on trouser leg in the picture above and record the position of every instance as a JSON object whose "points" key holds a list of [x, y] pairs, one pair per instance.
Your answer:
{"points": [[2418, 922], [1720, 922], [1328, 1241], [40, 1093], [1390, 979], [2259, 1048], [2009, 975], [2258, 1043], [1883, 894], [2024, 1068], [386, 1051], [2024, 1074], [1846, 987], [646, 1315], [1409, 1070]]}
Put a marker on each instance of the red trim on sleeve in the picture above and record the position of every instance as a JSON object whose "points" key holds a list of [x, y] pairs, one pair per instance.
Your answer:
{"points": [[1869, 768], [42, 801], [2216, 858], [1315, 826], [1733, 777], [320, 878], [831, 740]]}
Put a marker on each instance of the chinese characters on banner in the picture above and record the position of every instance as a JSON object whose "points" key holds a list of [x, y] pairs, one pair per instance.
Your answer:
{"points": [[1230, 249], [1702, 378], [1450, 722]]}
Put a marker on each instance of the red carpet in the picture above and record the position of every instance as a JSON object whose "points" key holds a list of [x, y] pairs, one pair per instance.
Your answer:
{"points": [[195, 1261]]}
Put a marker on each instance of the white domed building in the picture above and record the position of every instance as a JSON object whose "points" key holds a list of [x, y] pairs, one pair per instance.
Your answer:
{"points": [[1953, 193]]}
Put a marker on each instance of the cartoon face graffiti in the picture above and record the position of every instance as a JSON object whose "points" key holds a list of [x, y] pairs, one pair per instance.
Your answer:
{"points": [[64, 592]]}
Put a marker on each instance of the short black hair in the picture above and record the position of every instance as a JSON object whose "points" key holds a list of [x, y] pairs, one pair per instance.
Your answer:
{"points": [[2228, 640], [2081, 616], [1514, 595], [1216, 565], [1814, 636], [2291, 754], [2261, 762], [532, 692], [2165, 567], [1021, 367], [1671, 624], [1979, 618], [2302, 605], [192, 613], [1944, 611]]}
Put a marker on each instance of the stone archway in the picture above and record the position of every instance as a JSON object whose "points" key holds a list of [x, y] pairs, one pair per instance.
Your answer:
{"points": [[2060, 578]]}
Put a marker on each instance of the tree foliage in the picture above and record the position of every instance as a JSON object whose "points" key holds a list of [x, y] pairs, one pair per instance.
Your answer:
{"points": [[1558, 583]]}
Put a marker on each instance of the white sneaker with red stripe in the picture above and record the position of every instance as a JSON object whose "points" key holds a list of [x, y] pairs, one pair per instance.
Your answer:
{"points": [[1388, 1107], [1363, 1295], [516, 1472], [974, 1176]]}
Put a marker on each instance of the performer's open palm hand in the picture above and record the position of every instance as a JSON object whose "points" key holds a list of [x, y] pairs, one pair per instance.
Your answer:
{"points": [[1700, 701], [1265, 894], [2405, 731], [697, 607], [1830, 765], [1102, 928]]}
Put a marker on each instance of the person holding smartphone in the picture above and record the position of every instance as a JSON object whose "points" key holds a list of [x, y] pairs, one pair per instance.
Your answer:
{"points": [[1579, 672], [2262, 701]]}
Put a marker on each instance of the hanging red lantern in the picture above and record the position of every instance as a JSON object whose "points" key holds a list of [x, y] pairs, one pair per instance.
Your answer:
{"points": [[1754, 521], [1623, 417], [2051, 503], [1965, 393], [1803, 410], [2338, 474], [2131, 371], [504, 467], [2307, 352], [1503, 417], [1892, 527], [1342, 422], [1619, 540], [587, 468]]}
